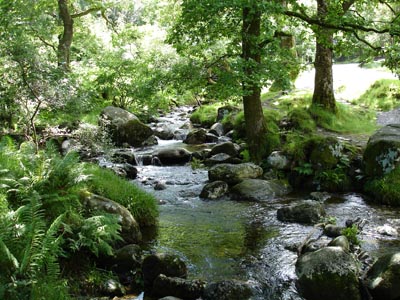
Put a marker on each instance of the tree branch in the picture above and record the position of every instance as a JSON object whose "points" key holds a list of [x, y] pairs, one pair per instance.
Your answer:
{"points": [[43, 40], [86, 12]]}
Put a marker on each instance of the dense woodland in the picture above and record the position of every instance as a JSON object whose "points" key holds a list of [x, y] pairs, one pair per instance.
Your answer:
{"points": [[63, 62]]}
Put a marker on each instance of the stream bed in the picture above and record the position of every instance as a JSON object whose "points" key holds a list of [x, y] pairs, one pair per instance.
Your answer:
{"points": [[225, 239]]}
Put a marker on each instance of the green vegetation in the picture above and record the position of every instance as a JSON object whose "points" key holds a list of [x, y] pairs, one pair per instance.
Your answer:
{"points": [[104, 182], [351, 234], [383, 95], [205, 115], [43, 220], [385, 190]]}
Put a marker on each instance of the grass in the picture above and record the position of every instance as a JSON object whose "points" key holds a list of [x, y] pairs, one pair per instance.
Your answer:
{"points": [[142, 205], [383, 95], [346, 120]]}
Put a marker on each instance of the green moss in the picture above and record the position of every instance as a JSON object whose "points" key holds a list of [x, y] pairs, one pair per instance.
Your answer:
{"points": [[383, 95], [385, 190], [142, 205], [205, 115]]}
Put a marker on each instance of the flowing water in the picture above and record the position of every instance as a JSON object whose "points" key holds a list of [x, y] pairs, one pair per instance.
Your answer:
{"points": [[224, 239]]}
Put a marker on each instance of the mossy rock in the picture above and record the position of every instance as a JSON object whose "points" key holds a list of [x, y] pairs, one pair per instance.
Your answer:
{"points": [[234, 173], [382, 150], [322, 155], [385, 190], [384, 277], [329, 273]]}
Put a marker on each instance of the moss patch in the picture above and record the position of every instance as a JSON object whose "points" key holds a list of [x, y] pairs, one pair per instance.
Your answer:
{"points": [[385, 190]]}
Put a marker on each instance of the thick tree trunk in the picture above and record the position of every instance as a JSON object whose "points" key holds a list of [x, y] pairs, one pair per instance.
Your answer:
{"points": [[65, 40], [253, 113], [324, 95]]}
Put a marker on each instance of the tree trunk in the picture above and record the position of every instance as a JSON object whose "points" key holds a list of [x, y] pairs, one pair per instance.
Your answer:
{"points": [[253, 113], [65, 40], [324, 95]]}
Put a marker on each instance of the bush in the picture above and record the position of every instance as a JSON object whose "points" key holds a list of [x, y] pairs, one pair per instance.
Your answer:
{"points": [[142, 205], [301, 120]]}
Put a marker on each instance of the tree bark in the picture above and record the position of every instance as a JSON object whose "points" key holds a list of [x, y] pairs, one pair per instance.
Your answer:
{"points": [[324, 95], [251, 54], [65, 40]]}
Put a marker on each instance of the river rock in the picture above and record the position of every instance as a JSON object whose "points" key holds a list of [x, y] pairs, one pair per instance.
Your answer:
{"points": [[113, 288], [222, 158], [217, 129], [124, 156], [342, 242], [169, 298], [124, 127], [259, 190], [130, 230], [383, 279], [165, 131], [162, 263], [227, 290], [382, 151], [333, 231], [173, 156], [388, 230], [177, 287], [125, 170], [214, 190], [329, 273], [307, 212], [234, 173], [196, 136], [227, 148], [127, 258], [277, 160], [320, 196], [323, 155], [211, 138]]}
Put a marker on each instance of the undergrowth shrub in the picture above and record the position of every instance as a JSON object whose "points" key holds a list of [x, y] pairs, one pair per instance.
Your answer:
{"points": [[205, 115], [385, 190]]}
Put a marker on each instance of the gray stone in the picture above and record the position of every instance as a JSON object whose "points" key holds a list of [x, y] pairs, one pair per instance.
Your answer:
{"points": [[227, 148], [234, 173], [320, 196], [333, 231], [382, 151], [278, 161], [259, 190], [170, 298], [227, 290], [211, 138], [162, 263], [177, 287], [127, 258], [173, 156], [196, 136], [383, 279], [214, 190], [124, 127], [307, 212], [124, 156], [222, 158], [342, 242], [113, 288], [165, 132], [329, 273], [130, 230], [217, 129]]}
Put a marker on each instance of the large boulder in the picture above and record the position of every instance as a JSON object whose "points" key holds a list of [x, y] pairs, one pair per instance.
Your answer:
{"points": [[227, 290], [260, 190], [125, 127], [196, 137], [214, 190], [177, 287], [173, 156], [329, 273], [382, 151], [127, 258], [162, 263], [383, 279], [130, 230], [278, 161], [222, 158], [324, 155], [234, 173], [227, 148], [307, 212]]}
